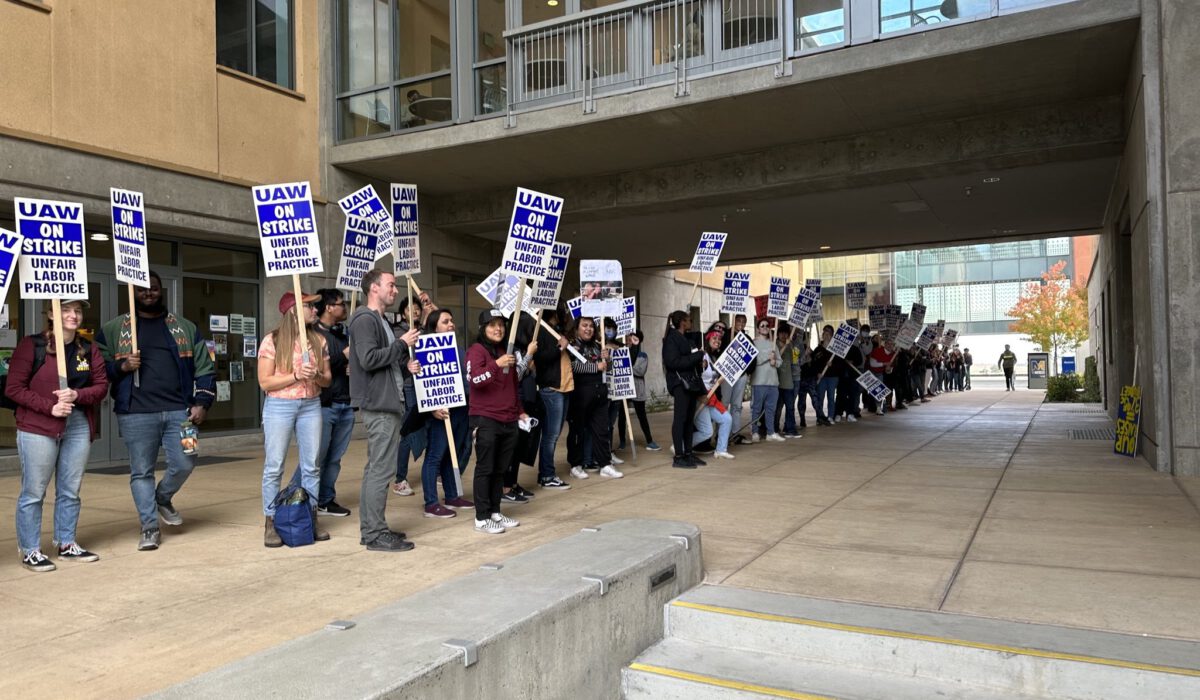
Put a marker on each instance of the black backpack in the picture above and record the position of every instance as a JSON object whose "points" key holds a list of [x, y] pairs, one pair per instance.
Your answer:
{"points": [[39, 359]]}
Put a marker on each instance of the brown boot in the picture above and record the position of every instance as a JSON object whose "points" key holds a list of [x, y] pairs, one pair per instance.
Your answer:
{"points": [[270, 537], [319, 535]]}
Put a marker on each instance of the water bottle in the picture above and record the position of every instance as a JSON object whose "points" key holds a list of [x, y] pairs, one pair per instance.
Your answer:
{"points": [[189, 438]]}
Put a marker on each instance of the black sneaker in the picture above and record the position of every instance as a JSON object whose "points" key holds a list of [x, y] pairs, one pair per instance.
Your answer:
{"points": [[513, 496], [554, 483], [151, 538], [169, 515], [73, 552], [524, 491], [704, 447], [682, 462], [332, 508], [398, 535], [388, 542], [36, 561], [696, 460]]}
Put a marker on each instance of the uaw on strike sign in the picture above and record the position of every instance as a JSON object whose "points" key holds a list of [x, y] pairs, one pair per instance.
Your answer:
{"points": [[531, 233], [439, 384], [129, 237], [287, 229], [53, 257]]}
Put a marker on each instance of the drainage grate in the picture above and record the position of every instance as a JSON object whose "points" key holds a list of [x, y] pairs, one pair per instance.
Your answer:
{"points": [[1092, 434]]}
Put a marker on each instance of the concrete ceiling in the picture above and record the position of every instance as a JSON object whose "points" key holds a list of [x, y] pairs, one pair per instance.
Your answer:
{"points": [[1037, 201]]}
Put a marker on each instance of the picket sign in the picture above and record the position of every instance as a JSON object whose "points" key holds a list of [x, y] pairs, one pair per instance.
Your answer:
{"points": [[704, 260], [53, 263], [623, 386], [129, 250], [527, 253], [439, 384], [287, 230]]}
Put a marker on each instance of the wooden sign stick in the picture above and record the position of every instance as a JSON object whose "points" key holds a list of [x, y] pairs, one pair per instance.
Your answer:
{"points": [[453, 453], [60, 357], [299, 309]]}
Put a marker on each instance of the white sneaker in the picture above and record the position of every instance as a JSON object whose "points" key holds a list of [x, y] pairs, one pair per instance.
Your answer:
{"points": [[489, 527], [578, 473], [617, 460], [775, 437], [722, 455], [611, 473], [879, 411], [754, 437], [851, 419], [401, 488], [837, 419], [504, 520]]}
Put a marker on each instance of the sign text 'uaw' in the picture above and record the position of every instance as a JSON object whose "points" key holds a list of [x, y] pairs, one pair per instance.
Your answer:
{"points": [[53, 255], [287, 229]]}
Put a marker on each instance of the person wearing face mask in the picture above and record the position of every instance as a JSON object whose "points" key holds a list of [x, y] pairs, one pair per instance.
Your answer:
{"points": [[495, 409], [589, 403], [55, 428], [764, 383]]}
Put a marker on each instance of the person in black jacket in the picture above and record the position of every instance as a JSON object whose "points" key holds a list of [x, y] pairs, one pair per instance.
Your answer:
{"points": [[589, 403], [681, 363], [555, 381]]}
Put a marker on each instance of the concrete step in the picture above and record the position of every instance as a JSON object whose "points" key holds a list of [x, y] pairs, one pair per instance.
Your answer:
{"points": [[897, 646], [676, 669]]}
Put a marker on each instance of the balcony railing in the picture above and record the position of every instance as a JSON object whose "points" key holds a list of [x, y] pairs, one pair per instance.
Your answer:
{"points": [[638, 44]]}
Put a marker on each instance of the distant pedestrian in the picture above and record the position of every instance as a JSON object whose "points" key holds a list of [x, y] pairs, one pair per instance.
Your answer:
{"points": [[1008, 362]]}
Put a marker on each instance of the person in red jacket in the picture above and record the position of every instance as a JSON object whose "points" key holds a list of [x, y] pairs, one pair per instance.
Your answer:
{"points": [[494, 408], [55, 428]]}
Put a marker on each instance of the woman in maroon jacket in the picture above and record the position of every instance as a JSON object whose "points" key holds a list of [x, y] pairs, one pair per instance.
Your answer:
{"points": [[494, 408], [55, 428]]}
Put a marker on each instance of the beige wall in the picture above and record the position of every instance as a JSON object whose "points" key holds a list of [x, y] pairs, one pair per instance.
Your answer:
{"points": [[138, 79]]}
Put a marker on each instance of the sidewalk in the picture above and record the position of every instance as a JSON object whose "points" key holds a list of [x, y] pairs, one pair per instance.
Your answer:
{"points": [[975, 503]]}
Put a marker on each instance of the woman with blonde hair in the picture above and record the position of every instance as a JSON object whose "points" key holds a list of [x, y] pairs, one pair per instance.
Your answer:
{"points": [[292, 380]]}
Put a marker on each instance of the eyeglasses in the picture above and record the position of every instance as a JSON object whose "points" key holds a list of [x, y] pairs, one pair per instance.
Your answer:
{"points": [[308, 305], [334, 303], [763, 327]]}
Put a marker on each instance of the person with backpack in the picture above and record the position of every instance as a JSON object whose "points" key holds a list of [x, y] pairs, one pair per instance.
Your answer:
{"points": [[55, 428], [169, 382], [292, 379]]}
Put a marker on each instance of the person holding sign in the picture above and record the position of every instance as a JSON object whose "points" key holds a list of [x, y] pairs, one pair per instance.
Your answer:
{"points": [[713, 411], [337, 416], [165, 382], [822, 358], [681, 365], [376, 390], [641, 363], [556, 381], [438, 462], [764, 384], [495, 409], [589, 403], [55, 428], [292, 380], [411, 316]]}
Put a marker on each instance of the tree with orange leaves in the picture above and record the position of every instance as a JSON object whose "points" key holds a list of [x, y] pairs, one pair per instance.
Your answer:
{"points": [[1053, 313]]}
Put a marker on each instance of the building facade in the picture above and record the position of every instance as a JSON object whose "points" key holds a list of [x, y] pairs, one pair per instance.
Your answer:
{"points": [[801, 127]]}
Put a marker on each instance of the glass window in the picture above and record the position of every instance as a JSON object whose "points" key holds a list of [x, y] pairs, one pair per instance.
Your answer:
{"points": [[819, 23], [491, 89], [1033, 268], [977, 271], [456, 291], [1007, 294], [955, 303], [202, 297], [220, 261], [1058, 246], [1006, 270], [422, 37], [979, 302], [747, 22], [533, 11], [365, 41], [364, 115], [489, 30], [898, 15], [255, 37]]}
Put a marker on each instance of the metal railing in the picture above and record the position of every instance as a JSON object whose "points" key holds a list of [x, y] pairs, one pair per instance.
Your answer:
{"points": [[638, 44]]}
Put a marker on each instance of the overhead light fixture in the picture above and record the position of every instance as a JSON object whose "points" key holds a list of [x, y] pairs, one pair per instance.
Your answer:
{"points": [[990, 180], [672, 261], [826, 247], [99, 236], [552, 3]]}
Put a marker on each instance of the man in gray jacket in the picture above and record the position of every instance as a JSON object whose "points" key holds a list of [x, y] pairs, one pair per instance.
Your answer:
{"points": [[376, 389]]}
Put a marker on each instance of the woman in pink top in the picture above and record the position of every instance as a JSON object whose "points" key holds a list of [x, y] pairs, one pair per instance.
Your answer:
{"points": [[293, 384]]}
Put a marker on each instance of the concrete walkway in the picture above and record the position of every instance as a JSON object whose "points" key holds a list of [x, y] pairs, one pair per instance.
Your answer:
{"points": [[976, 503]]}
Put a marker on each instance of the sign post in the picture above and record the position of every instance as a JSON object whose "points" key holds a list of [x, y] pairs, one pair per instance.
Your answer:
{"points": [[287, 230], [53, 264], [439, 384], [708, 252]]}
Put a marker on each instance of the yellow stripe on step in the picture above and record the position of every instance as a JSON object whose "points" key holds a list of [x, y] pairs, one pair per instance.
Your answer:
{"points": [[723, 683], [1060, 656]]}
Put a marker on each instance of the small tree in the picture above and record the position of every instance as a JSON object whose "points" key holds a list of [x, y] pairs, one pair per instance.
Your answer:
{"points": [[1052, 314]]}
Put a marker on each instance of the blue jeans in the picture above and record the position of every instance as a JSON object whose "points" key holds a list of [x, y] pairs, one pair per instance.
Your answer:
{"points": [[704, 427], [555, 404], [787, 406], [337, 423], [737, 392], [763, 402], [826, 398], [41, 458], [144, 433], [283, 418], [437, 456], [410, 446]]}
